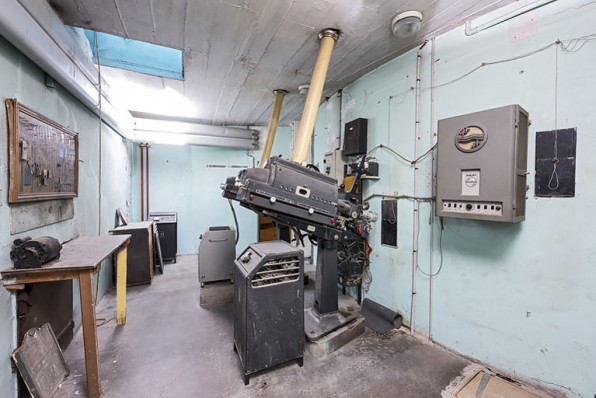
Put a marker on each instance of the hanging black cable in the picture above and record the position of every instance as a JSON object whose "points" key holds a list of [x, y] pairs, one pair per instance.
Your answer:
{"points": [[235, 220]]}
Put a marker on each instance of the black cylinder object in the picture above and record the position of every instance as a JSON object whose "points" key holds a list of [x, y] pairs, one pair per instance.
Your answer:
{"points": [[380, 318], [32, 253], [20, 241]]}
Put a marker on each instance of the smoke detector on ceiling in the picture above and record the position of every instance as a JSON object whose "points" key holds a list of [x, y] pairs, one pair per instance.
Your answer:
{"points": [[406, 24]]}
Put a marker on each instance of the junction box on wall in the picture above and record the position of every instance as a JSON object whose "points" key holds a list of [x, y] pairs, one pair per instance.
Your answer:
{"points": [[481, 165]]}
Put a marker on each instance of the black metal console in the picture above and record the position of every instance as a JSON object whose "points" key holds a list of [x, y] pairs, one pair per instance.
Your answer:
{"points": [[268, 306]]}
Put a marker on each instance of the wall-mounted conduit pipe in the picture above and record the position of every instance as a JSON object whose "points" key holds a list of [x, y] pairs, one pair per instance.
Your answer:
{"points": [[99, 101], [416, 203], [147, 176], [279, 99], [340, 93], [142, 185], [144, 146], [328, 38], [432, 189], [470, 31]]}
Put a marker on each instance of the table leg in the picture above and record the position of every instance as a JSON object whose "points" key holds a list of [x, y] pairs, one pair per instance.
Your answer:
{"points": [[90, 334], [121, 265]]}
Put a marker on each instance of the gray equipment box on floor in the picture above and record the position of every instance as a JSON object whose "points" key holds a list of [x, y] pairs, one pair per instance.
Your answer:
{"points": [[481, 165], [217, 252], [269, 306], [167, 229]]}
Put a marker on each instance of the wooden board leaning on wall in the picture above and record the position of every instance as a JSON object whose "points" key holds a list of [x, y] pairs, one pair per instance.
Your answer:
{"points": [[43, 156]]}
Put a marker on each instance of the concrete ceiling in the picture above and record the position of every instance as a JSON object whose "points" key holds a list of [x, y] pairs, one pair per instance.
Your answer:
{"points": [[238, 51]]}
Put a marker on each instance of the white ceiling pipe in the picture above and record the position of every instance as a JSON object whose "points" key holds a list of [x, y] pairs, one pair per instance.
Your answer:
{"points": [[470, 31], [156, 137], [21, 29], [194, 129]]}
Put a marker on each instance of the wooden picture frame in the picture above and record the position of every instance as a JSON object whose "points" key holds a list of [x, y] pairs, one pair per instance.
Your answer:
{"points": [[43, 156]]}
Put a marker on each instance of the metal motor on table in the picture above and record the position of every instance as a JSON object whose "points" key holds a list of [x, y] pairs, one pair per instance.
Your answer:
{"points": [[217, 252], [32, 253], [268, 306]]}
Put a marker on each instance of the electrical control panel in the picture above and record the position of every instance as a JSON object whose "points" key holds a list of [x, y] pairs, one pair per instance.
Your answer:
{"points": [[334, 164], [356, 137], [481, 165]]}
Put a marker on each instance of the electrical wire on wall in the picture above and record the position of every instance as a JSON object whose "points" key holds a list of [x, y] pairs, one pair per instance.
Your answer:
{"points": [[413, 162], [404, 96], [432, 274], [553, 186], [100, 122], [433, 134], [100, 136], [398, 197], [567, 45]]}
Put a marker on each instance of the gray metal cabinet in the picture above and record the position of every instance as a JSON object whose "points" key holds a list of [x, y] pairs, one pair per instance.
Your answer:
{"points": [[217, 252]]}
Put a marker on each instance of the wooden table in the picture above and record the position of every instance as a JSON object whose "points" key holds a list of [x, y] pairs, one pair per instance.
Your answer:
{"points": [[81, 259]]}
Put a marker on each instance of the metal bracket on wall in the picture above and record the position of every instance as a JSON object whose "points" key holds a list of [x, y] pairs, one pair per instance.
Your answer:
{"points": [[226, 166]]}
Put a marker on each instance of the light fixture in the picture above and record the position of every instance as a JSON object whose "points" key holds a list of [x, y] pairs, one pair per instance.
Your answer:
{"points": [[406, 24]]}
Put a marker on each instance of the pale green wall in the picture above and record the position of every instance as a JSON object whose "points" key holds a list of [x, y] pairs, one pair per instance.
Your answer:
{"points": [[180, 181], [21, 79], [518, 297]]}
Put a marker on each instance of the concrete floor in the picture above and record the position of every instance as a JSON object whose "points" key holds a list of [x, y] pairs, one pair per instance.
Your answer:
{"points": [[171, 347]]}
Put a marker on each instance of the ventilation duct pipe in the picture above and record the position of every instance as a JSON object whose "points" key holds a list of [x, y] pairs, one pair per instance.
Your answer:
{"points": [[182, 133], [168, 127], [279, 99], [328, 38], [157, 137], [36, 34], [47, 19]]}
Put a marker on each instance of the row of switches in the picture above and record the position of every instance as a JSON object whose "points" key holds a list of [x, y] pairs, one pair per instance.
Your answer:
{"points": [[472, 207]]}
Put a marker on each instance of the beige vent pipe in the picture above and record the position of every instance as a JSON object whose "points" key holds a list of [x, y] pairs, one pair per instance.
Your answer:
{"points": [[328, 38], [279, 99]]}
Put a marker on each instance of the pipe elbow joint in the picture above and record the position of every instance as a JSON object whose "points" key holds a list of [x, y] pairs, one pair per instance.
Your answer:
{"points": [[329, 32]]}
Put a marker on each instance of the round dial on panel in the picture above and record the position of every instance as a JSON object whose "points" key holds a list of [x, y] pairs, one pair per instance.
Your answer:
{"points": [[470, 139]]}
